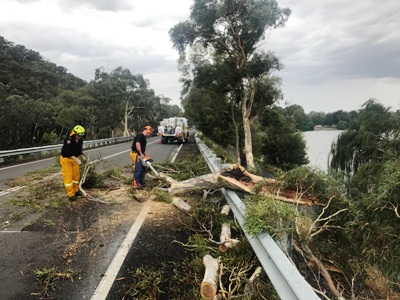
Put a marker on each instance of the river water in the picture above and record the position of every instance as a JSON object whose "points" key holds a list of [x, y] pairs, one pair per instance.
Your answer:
{"points": [[319, 145]]}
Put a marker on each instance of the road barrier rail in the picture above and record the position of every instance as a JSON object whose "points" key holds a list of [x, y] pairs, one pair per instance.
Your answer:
{"points": [[23, 153], [286, 279]]}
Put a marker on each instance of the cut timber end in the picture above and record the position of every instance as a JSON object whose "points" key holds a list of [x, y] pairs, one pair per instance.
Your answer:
{"points": [[208, 287]]}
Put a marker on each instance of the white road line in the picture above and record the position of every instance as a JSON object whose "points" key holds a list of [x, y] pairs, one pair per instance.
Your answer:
{"points": [[176, 154], [108, 279], [28, 163]]}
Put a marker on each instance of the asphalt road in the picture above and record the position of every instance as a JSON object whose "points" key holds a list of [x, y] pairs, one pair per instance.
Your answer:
{"points": [[16, 245], [116, 155]]}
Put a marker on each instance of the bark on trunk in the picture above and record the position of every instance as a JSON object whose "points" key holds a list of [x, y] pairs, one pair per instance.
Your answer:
{"points": [[225, 238], [208, 287], [181, 204], [225, 210], [234, 177]]}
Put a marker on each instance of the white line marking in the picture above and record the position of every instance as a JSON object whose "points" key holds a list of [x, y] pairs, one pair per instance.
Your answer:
{"points": [[28, 163], [176, 154], [108, 279]]}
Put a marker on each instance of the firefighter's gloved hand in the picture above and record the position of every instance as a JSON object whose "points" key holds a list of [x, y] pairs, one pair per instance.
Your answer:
{"points": [[83, 157], [78, 161]]}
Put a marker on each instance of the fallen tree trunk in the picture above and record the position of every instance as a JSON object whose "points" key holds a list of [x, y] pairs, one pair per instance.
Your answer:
{"points": [[208, 287], [234, 177]]}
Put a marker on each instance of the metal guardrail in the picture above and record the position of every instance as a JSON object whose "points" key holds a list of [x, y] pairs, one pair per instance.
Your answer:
{"points": [[43, 149], [287, 280]]}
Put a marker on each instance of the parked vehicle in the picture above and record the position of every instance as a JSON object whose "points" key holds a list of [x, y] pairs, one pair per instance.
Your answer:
{"points": [[174, 129]]}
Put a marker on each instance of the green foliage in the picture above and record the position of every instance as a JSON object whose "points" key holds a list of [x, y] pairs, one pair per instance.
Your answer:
{"points": [[373, 135], [229, 75], [28, 87], [282, 145], [222, 153], [48, 277], [42, 196], [189, 167], [145, 284], [296, 113], [342, 125], [237, 263], [211, 113], [263, 214], [50, 138], [162, 196], [376, 224], [366, 229], [52, 100], [93, 179], [312, 183]]}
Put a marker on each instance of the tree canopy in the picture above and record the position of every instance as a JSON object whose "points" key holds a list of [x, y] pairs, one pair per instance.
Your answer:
{"points": [[231, 32], [41, 101]]}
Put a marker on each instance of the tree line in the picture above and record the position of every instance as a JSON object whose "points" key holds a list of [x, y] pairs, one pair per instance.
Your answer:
{"points": [[231, 94], [307, 122], [41, 102]]}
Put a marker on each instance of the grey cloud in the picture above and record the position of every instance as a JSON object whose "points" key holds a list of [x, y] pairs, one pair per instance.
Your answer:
{"points": [[105, 5], [351, 40]]}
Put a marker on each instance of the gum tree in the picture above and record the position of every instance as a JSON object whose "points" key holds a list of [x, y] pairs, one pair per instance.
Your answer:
{"points": [[233, 30]]}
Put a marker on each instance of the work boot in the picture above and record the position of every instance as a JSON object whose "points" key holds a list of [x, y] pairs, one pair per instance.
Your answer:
{"points": [[78, 194], [72, 198]]}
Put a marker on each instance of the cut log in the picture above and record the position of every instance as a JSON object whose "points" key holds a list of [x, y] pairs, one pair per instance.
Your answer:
{"points": [[208, 287], [225, 239], [181, 204], [225, 210]]}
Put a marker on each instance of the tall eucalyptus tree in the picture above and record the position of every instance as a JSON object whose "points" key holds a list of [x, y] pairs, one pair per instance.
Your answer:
{"points": [[234, 30], [123, 97]]}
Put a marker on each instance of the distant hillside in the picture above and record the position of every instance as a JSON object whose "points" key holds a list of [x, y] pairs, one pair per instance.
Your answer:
{"points": [[29, 86], [24, 72]]}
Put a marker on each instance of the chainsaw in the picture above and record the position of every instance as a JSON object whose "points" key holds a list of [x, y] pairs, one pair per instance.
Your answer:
{"points": [[146, 162]]}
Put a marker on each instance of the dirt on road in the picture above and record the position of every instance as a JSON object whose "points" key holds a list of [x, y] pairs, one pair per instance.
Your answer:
{"points": [[55, 249]]}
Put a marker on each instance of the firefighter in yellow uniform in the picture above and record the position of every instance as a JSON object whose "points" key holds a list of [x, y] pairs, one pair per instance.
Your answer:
{"points": [[70, 162]]}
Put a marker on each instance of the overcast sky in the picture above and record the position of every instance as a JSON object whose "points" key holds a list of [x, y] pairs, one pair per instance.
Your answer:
{"points": [[337, 54]]}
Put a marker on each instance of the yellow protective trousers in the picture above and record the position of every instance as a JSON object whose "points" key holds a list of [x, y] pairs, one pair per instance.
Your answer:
{"points": [[70, 174]]}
